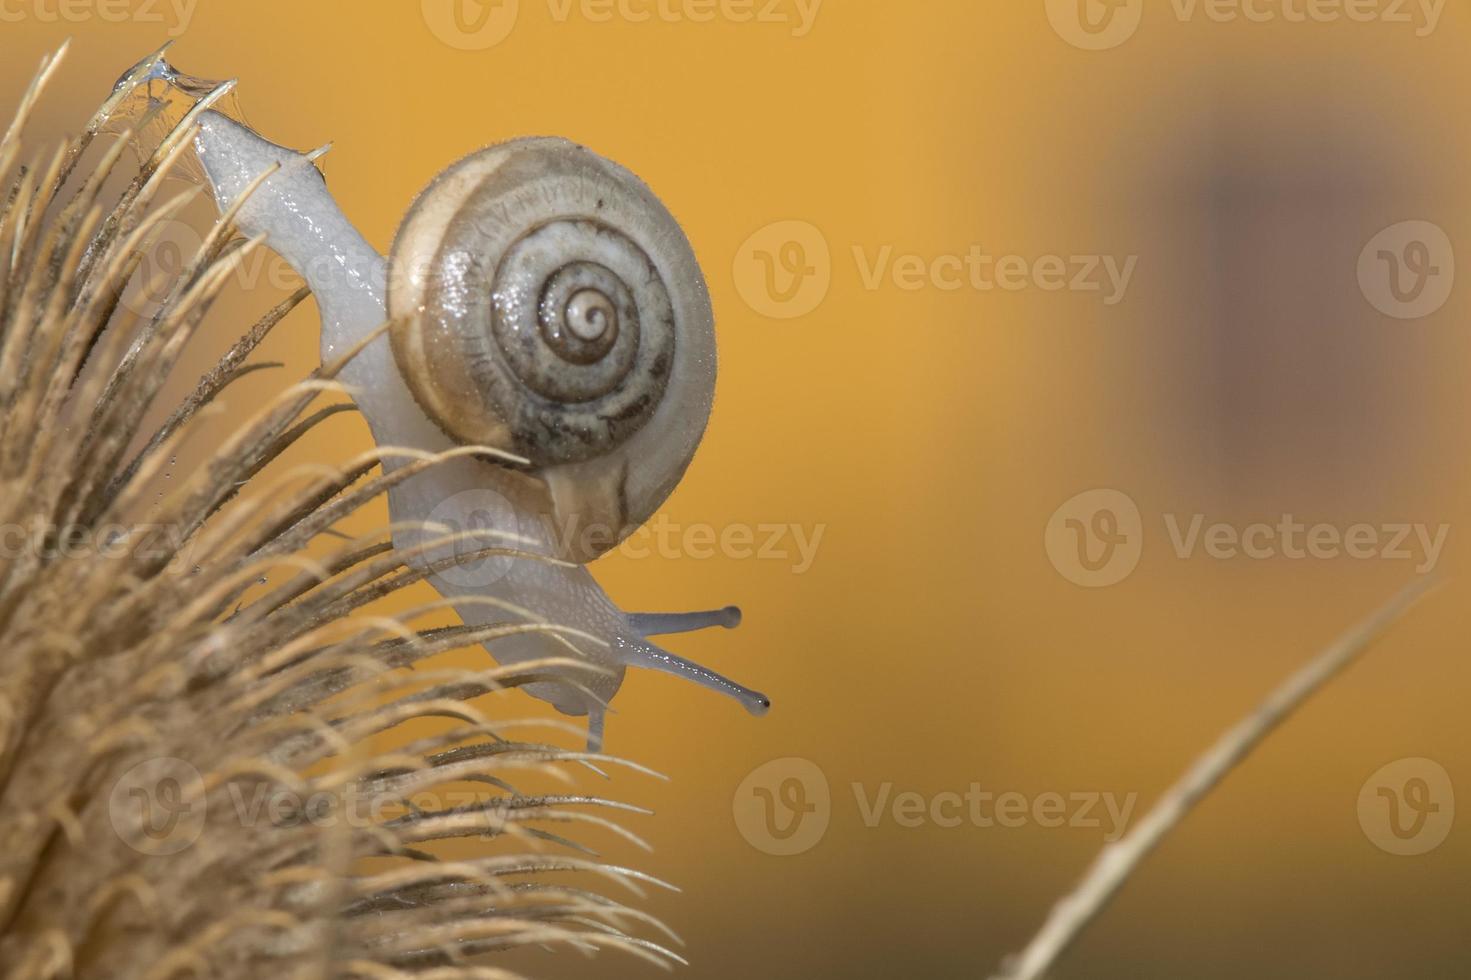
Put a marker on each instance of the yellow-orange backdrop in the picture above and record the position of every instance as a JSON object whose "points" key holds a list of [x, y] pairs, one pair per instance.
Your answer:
{"points": [[928, 430]]}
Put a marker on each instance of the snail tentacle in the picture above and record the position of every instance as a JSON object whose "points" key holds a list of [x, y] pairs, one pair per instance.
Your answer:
{"points": [[664, 624]]}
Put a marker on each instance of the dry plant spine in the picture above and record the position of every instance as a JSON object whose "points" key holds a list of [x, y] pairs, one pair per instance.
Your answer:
{"points": [[173, 667]]}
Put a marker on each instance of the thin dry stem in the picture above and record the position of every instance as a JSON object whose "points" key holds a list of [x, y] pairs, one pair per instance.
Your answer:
{"points": [[1113, 866]]}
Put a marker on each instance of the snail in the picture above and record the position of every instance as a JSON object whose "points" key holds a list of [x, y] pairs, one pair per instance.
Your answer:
{"points": [[542, 302]]}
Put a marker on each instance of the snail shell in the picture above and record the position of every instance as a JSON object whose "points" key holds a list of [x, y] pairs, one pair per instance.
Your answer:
{"points": [[545, 302]]}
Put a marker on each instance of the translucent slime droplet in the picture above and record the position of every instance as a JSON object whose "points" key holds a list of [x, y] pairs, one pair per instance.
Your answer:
{"points": [[153, 97]]}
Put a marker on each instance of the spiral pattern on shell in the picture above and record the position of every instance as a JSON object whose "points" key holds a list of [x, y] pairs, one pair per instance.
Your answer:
{"points": [[537, 313], [586, 334]]}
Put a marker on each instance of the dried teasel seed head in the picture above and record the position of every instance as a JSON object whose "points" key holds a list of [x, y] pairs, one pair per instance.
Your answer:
{"points": [[213, 760]]}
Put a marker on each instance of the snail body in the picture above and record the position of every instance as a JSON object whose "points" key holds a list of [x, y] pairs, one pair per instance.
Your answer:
{"points": [[543, 303]]}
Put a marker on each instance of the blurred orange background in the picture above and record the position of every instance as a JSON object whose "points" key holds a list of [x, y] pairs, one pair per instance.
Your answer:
{"points": [[921, 430]]}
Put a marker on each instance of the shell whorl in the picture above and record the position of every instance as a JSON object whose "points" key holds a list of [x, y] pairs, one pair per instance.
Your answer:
{"points": [[545, 302], [538, 289]]}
